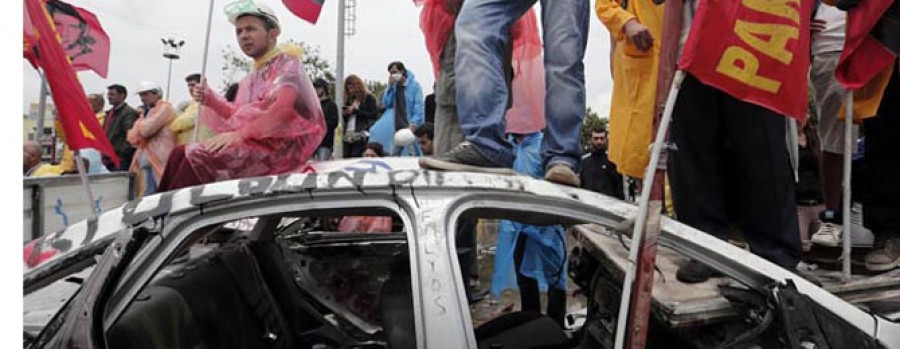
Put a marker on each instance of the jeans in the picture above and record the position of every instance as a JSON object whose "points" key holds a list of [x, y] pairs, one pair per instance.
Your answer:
{"points": [[482, 34], [149, 176], [323, 154]]}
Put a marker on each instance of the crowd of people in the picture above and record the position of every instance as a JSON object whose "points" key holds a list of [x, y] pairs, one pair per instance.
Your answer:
{"points": [[497, 83]]}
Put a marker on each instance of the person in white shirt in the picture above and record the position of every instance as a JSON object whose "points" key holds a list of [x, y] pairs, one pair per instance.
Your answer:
{"points": [[828, 31]]}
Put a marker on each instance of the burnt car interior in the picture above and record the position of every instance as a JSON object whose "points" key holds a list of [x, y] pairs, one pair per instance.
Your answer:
{"points": [[287, 281]]}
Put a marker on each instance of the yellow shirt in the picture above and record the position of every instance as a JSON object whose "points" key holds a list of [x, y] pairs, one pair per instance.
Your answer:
{"points": [[183, 126]]}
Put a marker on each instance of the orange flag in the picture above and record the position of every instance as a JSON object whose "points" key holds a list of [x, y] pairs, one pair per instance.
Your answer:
{"points": [[43, 48]]}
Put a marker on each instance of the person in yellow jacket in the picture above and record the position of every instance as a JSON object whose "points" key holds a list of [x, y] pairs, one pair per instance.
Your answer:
{"points": [[183, 125], [636, 29]]}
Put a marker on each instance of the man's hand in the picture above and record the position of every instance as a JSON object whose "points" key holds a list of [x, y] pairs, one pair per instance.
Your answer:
{"points": [[222, 141], [817, 26], [453, 6], [638, 34], [199, 92]]}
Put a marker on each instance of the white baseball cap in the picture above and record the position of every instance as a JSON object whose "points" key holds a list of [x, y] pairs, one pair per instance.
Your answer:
{"points": [[240, 8], [147, 86]]}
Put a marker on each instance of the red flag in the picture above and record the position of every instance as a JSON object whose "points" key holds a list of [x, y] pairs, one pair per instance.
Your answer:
{"points": [[306, 9], [82, 36], [865, 55], [78, 120], [754, 50]]}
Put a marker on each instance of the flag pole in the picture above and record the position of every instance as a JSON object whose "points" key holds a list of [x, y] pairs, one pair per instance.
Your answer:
{"points": [[42, 110], [82, 172], [203, 69], [339, 82], [637, 235], [848, 156]]}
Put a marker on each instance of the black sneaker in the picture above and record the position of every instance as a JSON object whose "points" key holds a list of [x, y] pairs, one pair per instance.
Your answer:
{"points": [[464, 157], [695, 272]]}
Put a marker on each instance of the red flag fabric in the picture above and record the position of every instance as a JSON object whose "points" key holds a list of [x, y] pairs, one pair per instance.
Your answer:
{"points": [[754, 50], [82, 36], [78, 120], [307, 10], [864, 56]]}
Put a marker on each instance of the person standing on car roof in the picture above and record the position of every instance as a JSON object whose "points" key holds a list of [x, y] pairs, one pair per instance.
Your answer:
{"points": [[482, 34], [275, 123]]}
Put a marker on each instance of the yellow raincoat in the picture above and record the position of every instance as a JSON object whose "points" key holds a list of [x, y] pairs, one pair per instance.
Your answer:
{"points": [[184, 124], [634, 90]]}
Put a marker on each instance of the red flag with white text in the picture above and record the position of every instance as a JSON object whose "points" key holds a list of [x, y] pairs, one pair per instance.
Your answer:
{"points": [[754, 50], [74, 113]]}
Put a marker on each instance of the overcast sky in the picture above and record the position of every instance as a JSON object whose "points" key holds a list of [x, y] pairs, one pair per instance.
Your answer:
{"points": [[386, 30]]}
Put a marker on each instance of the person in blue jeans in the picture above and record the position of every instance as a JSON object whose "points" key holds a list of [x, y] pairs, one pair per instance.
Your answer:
{"points": [[482, 34]]}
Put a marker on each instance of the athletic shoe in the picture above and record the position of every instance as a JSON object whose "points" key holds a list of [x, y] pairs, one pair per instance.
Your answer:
{"points": [[885, 256], [464, 157], [562, 174]]}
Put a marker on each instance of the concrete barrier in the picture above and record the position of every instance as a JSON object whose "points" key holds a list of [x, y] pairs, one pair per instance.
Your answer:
{"points": [[52, 203]]}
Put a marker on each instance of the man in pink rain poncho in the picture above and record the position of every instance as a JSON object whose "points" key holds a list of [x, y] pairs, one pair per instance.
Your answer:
{"points": [[273, 126]]}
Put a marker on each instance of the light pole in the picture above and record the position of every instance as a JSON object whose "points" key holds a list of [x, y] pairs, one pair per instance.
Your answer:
{"points": [[171, 51]]}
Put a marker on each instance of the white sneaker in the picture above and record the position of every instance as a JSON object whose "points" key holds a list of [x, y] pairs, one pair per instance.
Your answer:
{"points": [[828, 235], [862, 236]]}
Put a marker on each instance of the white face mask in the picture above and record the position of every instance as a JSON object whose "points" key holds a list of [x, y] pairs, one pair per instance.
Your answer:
{"points": [[396, 76]]}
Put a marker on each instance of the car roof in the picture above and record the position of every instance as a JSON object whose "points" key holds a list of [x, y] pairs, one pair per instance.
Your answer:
{"points": [[356, 174]]}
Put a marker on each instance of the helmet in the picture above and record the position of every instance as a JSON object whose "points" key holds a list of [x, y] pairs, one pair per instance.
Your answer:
{"points": [[240, 8], [404, 137], [147, 86]]}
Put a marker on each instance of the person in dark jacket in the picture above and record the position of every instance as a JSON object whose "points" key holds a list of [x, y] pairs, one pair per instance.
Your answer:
{"points": [[329, 108], [598, 173], [119, 119], [360, 112]]}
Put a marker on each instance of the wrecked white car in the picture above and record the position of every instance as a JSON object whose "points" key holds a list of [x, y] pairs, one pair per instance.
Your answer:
{"points": [[269, 262]]}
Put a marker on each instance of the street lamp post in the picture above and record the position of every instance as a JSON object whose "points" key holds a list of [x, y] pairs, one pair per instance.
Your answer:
{"points": [[171, 51]]}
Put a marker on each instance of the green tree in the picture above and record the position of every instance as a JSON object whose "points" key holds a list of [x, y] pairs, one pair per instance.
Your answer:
{"points": [[377, 88], [591, 119]]}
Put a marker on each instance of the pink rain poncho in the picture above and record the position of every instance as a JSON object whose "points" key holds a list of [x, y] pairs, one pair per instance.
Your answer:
{"points": [[277, 116], [527, 113]]}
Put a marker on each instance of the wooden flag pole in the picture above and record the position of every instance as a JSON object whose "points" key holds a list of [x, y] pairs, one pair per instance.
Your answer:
{"points": [[203, 69]]}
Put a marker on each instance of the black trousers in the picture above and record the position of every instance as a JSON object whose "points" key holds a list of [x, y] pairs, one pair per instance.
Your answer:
{"points": [[529, 289], [730, 167], [881, 199]]}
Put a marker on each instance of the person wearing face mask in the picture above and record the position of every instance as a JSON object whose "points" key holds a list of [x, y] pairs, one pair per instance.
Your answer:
{"points": [[404, 101], [599, 174]]}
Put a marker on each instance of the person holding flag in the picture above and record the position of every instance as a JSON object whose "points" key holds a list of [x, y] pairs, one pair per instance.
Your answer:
{"points": [[728, 162], [273, 126]]}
